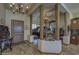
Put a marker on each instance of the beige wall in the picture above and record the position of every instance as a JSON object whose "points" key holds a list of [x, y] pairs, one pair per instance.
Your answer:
{"points": [[2, 14], [22, 17], [75, 15]]}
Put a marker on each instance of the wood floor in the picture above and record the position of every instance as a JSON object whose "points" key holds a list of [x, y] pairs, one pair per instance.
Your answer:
{"points": [[28, 49]]}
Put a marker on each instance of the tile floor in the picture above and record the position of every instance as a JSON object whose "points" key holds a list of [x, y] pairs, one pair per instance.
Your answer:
{"points": [[22, 49], [28, 49], [70, 50]]}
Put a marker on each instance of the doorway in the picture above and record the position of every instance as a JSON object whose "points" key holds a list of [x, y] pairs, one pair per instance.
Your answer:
{"points": [[17, 31]]}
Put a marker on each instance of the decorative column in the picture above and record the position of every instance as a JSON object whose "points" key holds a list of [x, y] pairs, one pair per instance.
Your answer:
{"points": [[41, 28], [57, 17], [41, 22], [66, 40], [31, 24], [66, 27]]}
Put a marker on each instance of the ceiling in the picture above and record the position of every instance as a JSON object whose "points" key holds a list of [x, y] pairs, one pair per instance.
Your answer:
{"points": [[48, 7], [73, 7], [49, 11], [30, 6], [7, 5]]}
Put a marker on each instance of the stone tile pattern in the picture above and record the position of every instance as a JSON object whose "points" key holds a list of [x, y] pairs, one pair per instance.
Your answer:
{"points": [[28, 49], [22, 49], [70, 50]]}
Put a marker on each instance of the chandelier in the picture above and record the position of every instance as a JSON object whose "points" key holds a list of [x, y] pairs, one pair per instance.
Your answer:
{"points": [[19, 7]]}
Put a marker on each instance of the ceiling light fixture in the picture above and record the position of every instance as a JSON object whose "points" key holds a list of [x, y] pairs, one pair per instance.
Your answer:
{"points": [[20, 8], [10, 5], [13, 3], [16, 7], [21, 5]]}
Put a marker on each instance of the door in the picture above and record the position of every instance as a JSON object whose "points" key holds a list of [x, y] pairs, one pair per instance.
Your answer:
{"points": [[17, 31]]}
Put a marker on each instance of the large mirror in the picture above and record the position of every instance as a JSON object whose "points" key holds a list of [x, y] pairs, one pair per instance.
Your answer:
{"points": [[36, 26]]}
